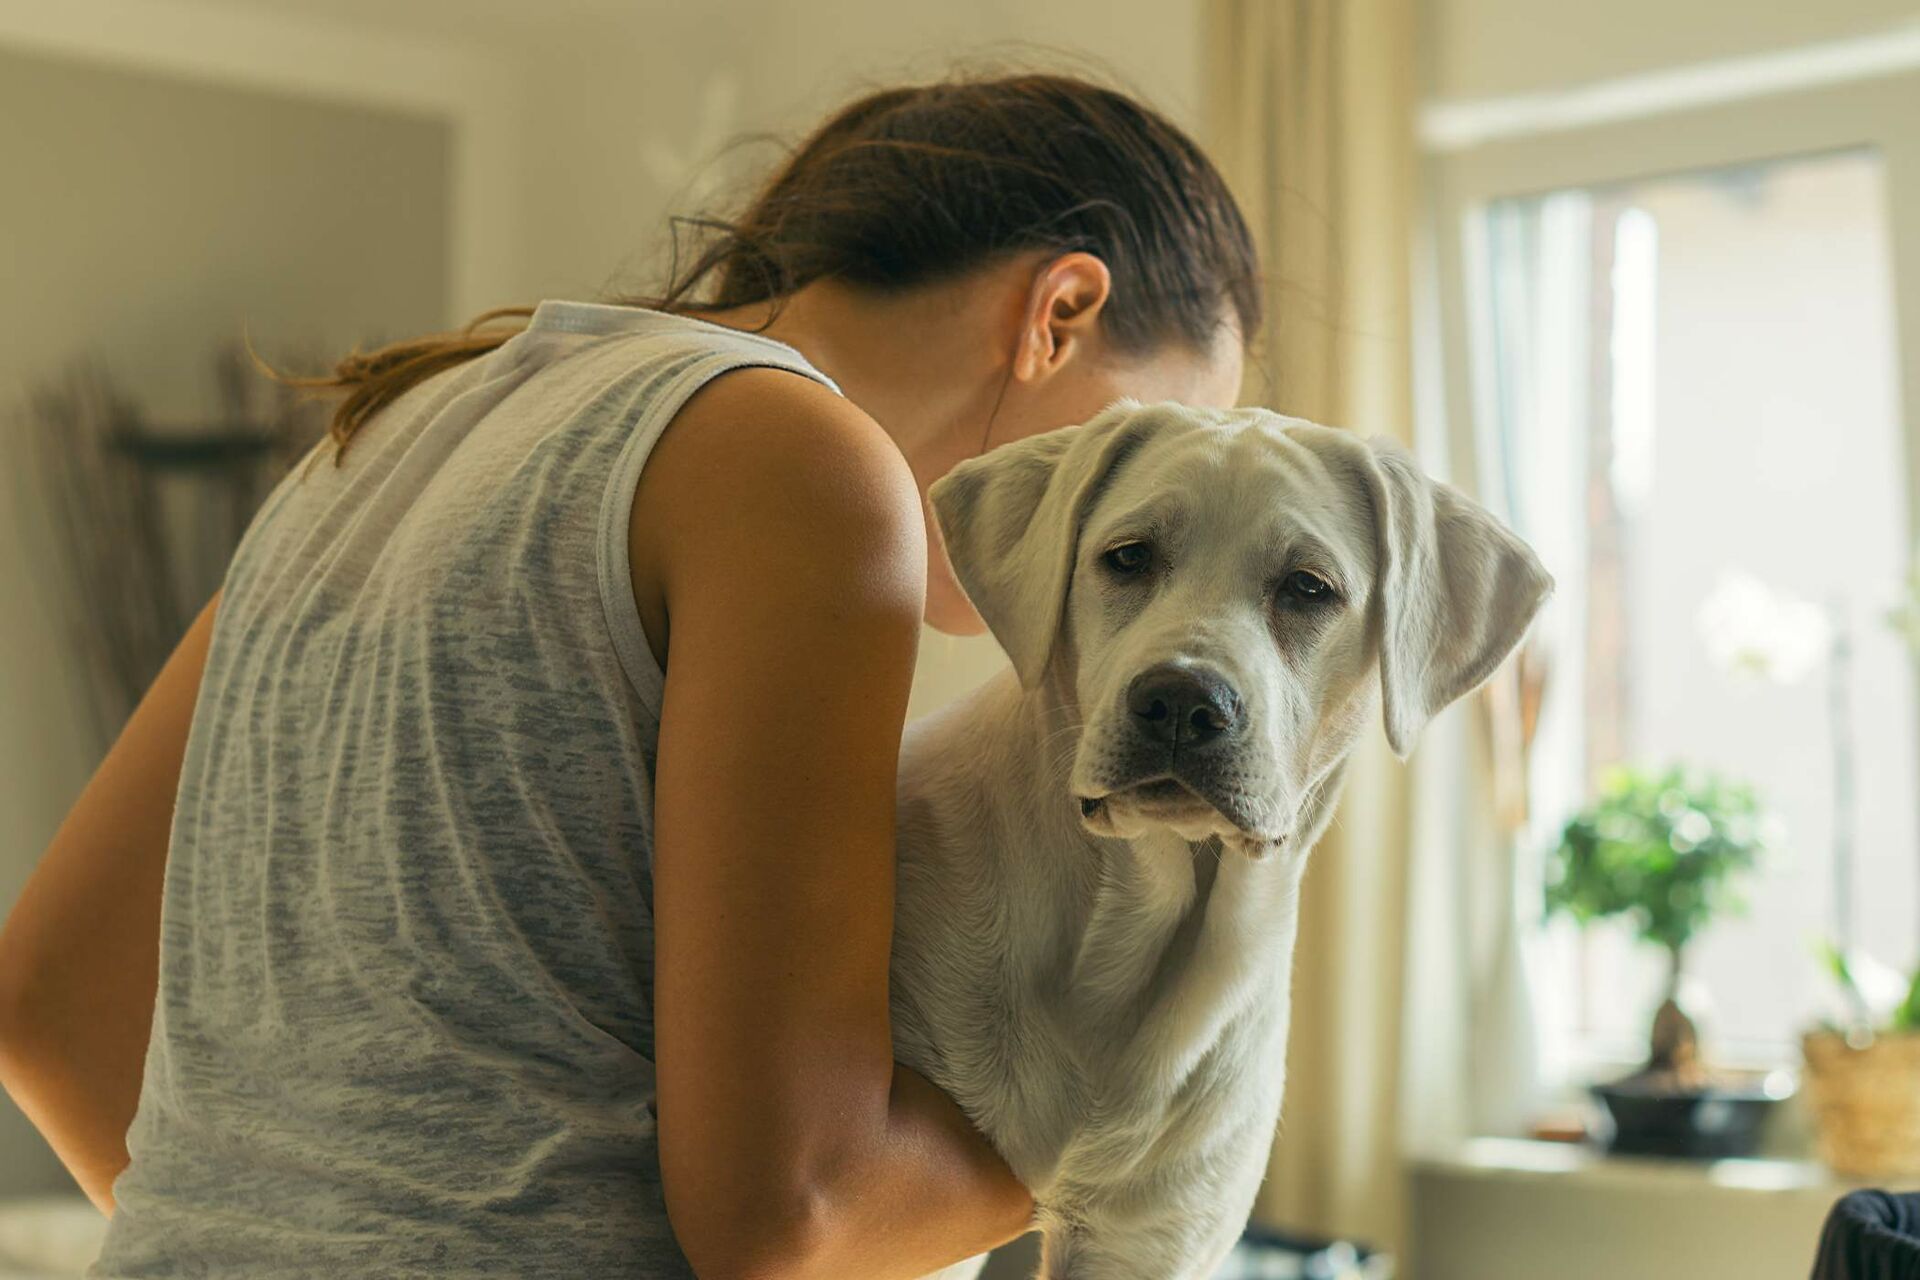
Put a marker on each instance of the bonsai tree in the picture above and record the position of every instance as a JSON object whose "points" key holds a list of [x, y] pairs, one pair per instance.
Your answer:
{"points": [[1665, 850]]}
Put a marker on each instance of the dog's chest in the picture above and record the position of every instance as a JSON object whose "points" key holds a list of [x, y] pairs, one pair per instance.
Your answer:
{"points": [[1164, 1122], [1103, 1032]]}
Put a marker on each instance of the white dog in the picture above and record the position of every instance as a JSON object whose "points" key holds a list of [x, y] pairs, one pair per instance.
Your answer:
{"points": [[1100, 850]]}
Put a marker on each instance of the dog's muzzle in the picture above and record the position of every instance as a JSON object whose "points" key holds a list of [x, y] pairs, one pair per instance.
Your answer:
{"points": [[1180, 755]]}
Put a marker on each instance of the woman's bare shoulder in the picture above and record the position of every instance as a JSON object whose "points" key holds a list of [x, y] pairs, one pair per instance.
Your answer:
{"points": [[761, 423], [762, 457]]}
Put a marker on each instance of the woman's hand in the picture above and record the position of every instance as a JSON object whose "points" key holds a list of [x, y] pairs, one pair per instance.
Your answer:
{"points": [[80, 954], [778, 555]]}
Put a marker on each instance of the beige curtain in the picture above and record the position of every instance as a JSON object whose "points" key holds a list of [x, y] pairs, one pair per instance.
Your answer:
{"points": [[1413, 1018], [1311, 114]]}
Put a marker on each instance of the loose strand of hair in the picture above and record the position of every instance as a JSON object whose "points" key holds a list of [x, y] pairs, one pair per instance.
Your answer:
{"points": [[373, 379]]}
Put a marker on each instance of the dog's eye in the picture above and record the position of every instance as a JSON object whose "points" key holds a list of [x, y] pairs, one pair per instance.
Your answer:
{"points": [[1309, 588], [1129, 558]]}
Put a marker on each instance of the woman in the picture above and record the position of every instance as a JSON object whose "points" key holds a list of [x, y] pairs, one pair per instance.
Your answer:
{"points": [[498, 878]]}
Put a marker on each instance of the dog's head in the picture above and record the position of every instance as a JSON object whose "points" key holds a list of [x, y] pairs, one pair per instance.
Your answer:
{"points": [[1215, 591]]}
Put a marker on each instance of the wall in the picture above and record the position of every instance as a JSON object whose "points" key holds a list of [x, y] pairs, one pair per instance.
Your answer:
{"points": [[620, 128], [148, 218], [1485, 48], [627, 129]]}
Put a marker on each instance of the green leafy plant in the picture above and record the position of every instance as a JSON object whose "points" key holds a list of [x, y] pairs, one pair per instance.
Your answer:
{"points": [[1664, 849], [1878, 1000]]}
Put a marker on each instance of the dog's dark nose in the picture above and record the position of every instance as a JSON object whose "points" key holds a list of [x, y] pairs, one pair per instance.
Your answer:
{"points": [[1181, 706]]}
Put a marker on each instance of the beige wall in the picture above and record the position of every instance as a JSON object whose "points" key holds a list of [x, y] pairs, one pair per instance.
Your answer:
{"points": [[616, 129], [1484, 48], [623, 128], [623, 132], [146, 218]]}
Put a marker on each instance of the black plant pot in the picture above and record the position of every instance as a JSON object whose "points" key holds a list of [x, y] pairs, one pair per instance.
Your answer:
{"points": [[1712, 1122]]}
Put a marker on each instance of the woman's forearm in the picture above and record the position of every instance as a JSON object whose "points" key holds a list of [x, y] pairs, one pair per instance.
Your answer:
{"points": [[930, 1192], [79, 954], [876, 1176], [956, 1166], [81, 1103]]}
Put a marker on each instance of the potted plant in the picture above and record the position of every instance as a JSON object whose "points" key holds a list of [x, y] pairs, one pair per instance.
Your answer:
{"points": [[1863, 1071], [1665, 849]]}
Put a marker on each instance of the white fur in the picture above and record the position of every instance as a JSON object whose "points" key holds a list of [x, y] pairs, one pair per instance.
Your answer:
{"points": [[1105, 993]]}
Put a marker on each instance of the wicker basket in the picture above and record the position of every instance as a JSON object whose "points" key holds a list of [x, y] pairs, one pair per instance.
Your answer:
{"points": [[1865, 1103]]}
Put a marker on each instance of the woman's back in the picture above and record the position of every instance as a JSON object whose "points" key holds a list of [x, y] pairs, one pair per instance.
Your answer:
{"points": [[404, 1015]]}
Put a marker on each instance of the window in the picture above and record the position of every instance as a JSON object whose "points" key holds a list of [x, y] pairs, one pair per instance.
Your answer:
{"points": [[1692, 377]]}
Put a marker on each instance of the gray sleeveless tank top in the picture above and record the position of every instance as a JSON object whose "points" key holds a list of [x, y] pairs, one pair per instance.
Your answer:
{"points": [[404, 1023]]}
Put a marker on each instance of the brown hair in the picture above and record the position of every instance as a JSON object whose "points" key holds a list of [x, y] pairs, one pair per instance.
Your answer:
{"points": [[912, 185]]}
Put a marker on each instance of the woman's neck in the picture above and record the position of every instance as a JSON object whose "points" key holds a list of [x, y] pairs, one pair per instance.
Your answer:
{"points": [[920, 363]]}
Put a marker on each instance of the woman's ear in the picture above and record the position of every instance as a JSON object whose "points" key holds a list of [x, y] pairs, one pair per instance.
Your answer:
{"points": [[1062, 314]]}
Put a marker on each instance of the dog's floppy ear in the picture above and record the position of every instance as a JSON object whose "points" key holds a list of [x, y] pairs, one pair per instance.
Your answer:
{"points": [[1455, 593], [1011, 523]]}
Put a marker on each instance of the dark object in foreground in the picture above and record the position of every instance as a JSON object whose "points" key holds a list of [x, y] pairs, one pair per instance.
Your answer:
{"points": [[1870, 1235], [1259, 1254], [1272, 1255]]}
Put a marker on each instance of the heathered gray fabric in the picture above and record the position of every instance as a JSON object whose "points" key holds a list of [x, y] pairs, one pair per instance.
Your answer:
{"points": [[404, 1024]]}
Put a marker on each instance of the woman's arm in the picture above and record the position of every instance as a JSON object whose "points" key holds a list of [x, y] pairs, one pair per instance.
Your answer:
{"points": [[778, 533], [80, 954]]}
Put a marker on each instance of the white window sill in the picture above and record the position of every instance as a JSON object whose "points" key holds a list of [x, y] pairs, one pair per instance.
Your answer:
{"points": [[1579, 1164], [1510, 1209]]}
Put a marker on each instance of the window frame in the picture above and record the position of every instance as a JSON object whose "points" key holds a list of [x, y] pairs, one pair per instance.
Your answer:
{"points": [[1540, 151]]}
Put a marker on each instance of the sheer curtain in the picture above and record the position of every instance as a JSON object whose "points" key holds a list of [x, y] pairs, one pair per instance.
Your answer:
{"points": [[1411, 1022], [1534, 258]]}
